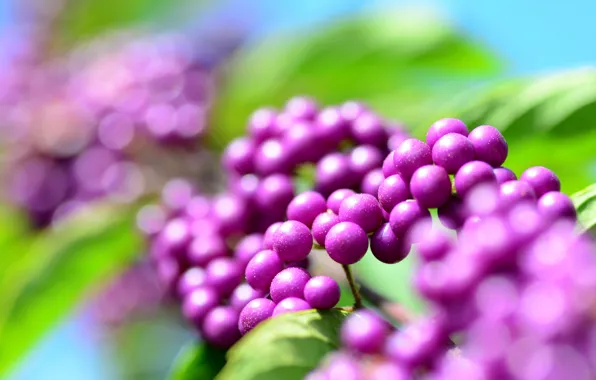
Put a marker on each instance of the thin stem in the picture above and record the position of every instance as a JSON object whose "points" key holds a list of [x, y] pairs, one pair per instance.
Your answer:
{"points": [[391, 308], [353, 287]]}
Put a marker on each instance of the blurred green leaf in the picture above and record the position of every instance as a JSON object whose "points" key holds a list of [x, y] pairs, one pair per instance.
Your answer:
{"points": [[286, 347], [57, 269], [585, 203], [198, 361], [406, 56]]}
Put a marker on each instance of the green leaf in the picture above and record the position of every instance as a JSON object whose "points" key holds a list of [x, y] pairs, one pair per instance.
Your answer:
{"points": [[198, 361], [585, 204], [395, 61], [56, 270], [286, 347]]}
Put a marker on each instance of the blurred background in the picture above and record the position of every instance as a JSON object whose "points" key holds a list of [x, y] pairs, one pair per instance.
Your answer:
{"points": [[89, 89]]}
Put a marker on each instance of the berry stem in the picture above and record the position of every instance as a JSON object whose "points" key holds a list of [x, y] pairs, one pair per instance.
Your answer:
{"points": [[392, 309], [353, 287]]}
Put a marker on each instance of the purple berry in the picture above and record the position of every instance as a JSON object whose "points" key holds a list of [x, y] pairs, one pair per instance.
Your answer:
{"points": [[368, 129], [334, 172], [168, 273], [191, 279], [392, 191], [331, 127], [434, 246], [386, 247], [198, 207], [334, 200], [306, 206], [255, 312], [238, 156], [504, 175], [371, 182], [365, 158], [541, 179], [151, 219], [224, 274], [247, 248], [405, 215], [452, 151], [444, 126], [290, 282], [411, 155], [175, 237], [300, 141], [198, 303], [513, 192], [271, 157], [364, 332], [261, 270], [322, 292], [322, 225], [230, 213], [388, 166], [291, 305], [363, 210], [268, 236], [346, 243], [416, 344], [176, 194], [302, 108], [351, 110], [472, 174], [431, 186], [204, 249], [292, 241], [395, 140], [243, 294], [220, 326], [554, 205], [489, 144], [304, 264], [452, 215], [262, 124]]}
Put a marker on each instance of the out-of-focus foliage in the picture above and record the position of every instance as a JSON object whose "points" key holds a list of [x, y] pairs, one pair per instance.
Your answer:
{"points": [[198, 361], [47, 275], [398, 62], [585, 203]]}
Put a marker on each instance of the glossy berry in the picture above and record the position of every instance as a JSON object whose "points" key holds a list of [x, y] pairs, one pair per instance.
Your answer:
{"points": [[541, 179], [404, 215], [302, 107], [444, 126], [292, 241], [365, 158], [306, 206], [411, 155], [262, 268], [322, 225], [255, 312], [334, 200], [322, 292], [275, 192], [300, 142], [392, 191], [368, 129], [238, 156], [331, 127], [388, 165], [452, 151], [271, 157], [268, 235], [363, 210], [504, 175], [247, 248], [346, 243], [434, 246], [371, 182], [191, 279], [243, 294], [472, 174], [554, 205], [291, 305], [513, 192], [489, 144], [224, 274], [364, 332], [220, 326], [198, 303], [203, 250], [261, 124], [334, 172], [431, 186], [418, 343], [290, 282], [386, 247]]}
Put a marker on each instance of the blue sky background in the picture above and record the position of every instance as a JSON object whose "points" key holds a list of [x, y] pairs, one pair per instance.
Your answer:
{"points": [[532, 35]]}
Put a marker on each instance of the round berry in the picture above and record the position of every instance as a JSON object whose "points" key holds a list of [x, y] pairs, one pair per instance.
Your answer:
{"points": [[191, 279], [452, 215], [271, 157], [220, 326], [371, 182], [363, 210], [247, 248], [275, 192], [176, 194], [392, 191], [261, 125], [300, 141], [302, 107], [292, 241], [435, 245], [230, 214], [331, 127], [334, 200], [364, 332], [224, 274], [268, 235], [238, 156], [322, 225], [472, 174], [351, 110], [504, 175], [411, 155], [513, 192], [554, 205], [346, 243], [175, 238], [416, 344], [334, 172], [305, 207], [291, 305], [243, 294], [365, 158], [489, 144], [452, 151], [255, 312], [386, 247], [388, 165], [262, 268], [322, 292], [290, 282], [198, 303], [405, 215], [368, 128], [204, 249], [395, 140], [444, 126], [541, 179], [431, 186]]}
